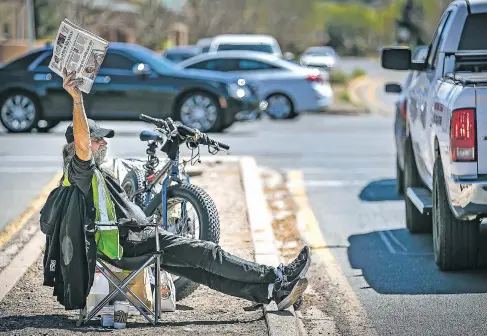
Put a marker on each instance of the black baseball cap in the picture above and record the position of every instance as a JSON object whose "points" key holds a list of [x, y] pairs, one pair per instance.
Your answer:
{"points": [[95, 131]]}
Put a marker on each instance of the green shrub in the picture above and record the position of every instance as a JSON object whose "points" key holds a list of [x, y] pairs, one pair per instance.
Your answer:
{"points": [[357, 72], [343, 96], [338, 77]]}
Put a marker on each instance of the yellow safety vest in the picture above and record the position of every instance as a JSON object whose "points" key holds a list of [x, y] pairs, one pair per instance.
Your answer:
{"points": [[106, 237]]}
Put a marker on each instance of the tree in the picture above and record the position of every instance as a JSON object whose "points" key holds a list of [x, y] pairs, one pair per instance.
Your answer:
{"points": [[46, 18]]}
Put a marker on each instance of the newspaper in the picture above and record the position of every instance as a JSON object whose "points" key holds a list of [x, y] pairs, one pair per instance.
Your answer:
{"points": [[77, 49]]}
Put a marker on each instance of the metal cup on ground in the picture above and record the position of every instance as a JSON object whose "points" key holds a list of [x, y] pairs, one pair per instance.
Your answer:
{"points": [[120, 314]]}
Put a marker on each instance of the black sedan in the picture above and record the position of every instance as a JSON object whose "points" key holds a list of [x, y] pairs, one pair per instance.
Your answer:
{"points": [[132, 80]]}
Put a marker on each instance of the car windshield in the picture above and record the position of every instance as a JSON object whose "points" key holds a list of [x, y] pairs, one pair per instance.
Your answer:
{"points": [[319, 53], [253, 47], [158, 63]]}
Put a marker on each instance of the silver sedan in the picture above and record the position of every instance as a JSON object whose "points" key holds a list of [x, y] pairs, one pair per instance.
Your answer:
{"points": [[288, 87]]}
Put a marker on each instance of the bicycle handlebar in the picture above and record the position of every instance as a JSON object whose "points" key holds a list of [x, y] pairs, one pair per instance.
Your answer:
{"points": [[155, 121], [183, 130]]}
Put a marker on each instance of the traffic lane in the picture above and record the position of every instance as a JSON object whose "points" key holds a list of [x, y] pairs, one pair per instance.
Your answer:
{"points": [[29, 161], [18, 190], [391, 271]]}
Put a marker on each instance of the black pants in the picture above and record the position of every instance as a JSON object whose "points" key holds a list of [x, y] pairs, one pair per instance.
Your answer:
{"points": [[206, 263]]}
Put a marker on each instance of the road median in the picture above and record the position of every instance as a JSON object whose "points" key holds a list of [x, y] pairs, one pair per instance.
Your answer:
{"points": [[30, 309], [363, 93]]}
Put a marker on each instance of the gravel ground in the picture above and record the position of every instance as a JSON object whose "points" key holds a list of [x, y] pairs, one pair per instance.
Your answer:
{"points": [[30, 308]]}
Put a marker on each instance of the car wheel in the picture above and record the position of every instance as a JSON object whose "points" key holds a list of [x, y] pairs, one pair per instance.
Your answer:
{"points": [[19, 112], [201, 111], [45, 126], [416, 222], [399, 179], [280, 107], [455, 242]]}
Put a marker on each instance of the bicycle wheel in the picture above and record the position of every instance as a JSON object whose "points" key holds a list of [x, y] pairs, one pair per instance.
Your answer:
{"points": [[133, 181], [200, 221]]}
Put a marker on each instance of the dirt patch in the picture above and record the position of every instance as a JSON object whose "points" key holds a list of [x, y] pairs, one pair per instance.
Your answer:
{"points": [[283, 211], [30, 308]]}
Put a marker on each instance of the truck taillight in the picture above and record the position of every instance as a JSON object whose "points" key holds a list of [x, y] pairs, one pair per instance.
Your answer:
{"points": [[462, 135]]}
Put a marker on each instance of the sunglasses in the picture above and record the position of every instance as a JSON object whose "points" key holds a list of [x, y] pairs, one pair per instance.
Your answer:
{"points": [[96, 139]]}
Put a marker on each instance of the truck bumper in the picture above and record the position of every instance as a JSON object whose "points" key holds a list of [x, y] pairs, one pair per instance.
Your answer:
{"points": [[468, 198]]}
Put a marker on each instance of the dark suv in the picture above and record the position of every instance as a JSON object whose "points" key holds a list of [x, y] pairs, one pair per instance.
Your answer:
{"points": [[132, 80]]}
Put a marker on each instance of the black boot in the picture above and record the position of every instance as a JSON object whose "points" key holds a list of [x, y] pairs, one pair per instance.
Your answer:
{"points": [[286, 293], [298, 267]]}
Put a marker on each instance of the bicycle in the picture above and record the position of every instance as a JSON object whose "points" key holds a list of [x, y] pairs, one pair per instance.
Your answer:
{"points": [[141, 185]]}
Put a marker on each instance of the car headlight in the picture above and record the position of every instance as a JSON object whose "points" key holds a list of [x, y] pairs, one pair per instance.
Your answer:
{"points": [[238, 91]]}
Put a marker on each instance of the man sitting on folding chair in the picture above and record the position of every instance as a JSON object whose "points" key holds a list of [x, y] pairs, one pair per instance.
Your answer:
{"points": [[200, 261]]}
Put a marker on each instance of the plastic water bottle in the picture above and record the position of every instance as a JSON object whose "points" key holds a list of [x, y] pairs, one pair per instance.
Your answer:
{"points": [[98, 292]]}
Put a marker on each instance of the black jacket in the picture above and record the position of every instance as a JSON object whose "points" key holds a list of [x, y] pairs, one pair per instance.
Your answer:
{"points": [[70, 252]]}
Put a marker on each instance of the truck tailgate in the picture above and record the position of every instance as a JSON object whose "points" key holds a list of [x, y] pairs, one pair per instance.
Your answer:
{"points": [[481, 121]]}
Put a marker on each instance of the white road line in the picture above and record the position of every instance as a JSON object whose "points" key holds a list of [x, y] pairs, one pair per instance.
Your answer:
{"points": [[386, 241], [345, 170], [333, 183], [26, 170], [30, 158], [397, 241], [384, 237]]}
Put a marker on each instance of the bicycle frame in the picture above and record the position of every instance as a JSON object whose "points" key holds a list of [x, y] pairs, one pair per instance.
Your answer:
{"points": [[173, 167]]}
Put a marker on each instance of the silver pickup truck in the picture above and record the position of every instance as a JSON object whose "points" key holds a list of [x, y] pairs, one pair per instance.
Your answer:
{"points": [[446, 145]]}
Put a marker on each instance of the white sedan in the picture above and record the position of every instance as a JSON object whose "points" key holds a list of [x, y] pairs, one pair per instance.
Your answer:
{"points": [[288, 87]]}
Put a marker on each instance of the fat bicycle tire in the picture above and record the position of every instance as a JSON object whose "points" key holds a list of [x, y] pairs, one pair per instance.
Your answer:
{"points": [[208, 218], [133, 181]]}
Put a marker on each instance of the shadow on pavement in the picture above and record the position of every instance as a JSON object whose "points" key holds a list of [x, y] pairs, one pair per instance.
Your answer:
{"points": [[396, 262], [380, 190]]}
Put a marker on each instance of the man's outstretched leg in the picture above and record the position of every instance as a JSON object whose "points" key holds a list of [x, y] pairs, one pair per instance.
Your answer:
{"points": [[186, 252], [206, 263], [283, 292]]}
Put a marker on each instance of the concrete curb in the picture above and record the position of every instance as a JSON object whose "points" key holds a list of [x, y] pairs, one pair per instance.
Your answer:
{"points": [[21, 263], [358, 98], [279, 322], [352, 89]]}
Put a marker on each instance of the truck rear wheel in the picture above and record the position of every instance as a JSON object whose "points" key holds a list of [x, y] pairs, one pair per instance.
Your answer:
{"points": [[416, 222], [455, 241]]}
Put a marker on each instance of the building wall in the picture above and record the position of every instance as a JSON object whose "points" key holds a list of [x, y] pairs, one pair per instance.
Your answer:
{"points": [[13, 21]]}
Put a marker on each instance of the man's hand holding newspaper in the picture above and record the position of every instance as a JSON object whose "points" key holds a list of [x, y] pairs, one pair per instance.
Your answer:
{"points": [[80, 51]]}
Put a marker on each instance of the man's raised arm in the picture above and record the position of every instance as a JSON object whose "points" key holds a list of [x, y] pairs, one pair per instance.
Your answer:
{"points": [[81, 130]]}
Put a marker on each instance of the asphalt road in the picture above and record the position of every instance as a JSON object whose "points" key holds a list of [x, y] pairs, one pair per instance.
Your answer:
{"points": [[348, 166]]}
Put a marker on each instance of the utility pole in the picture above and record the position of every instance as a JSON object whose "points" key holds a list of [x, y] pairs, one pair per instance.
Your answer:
{"points": [[30, 23]]}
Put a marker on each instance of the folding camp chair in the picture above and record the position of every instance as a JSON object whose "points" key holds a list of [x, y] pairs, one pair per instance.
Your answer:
{"points": [[134, 264]]}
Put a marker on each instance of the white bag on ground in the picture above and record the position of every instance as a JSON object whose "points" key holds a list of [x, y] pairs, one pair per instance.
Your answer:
{"points": [[168, 292]]}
